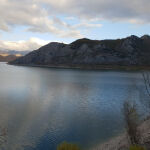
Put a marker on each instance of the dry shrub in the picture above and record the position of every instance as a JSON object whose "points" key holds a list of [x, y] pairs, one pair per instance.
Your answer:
{"points": [[131, 120]]}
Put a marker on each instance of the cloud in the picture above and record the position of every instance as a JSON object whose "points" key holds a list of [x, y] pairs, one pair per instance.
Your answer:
{"points": [[54, 26], [112, 10], [33, 16], [31, 44], [44, 16], [87, 25]]}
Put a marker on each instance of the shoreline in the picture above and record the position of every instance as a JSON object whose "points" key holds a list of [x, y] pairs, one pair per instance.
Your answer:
{"points": [[90, 67], [121, 142]]}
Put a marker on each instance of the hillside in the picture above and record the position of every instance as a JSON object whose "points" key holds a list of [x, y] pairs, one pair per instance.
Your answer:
{"points": [[13, 52], [85, 53], [8, 58]]}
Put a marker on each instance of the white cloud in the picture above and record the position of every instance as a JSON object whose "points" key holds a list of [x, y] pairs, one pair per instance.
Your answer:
{"points": [[87, 25], [42, 15], [31, 44], [33, 16]]}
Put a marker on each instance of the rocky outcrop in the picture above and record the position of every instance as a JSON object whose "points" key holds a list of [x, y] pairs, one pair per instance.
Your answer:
{"points": [[130, 51]]}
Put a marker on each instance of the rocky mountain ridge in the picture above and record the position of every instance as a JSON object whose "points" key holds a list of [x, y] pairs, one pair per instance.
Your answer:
{"points": [[130, 51]]}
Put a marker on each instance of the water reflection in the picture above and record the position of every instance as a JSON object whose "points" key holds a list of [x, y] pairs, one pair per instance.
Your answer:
{"points": [[42, 107]]}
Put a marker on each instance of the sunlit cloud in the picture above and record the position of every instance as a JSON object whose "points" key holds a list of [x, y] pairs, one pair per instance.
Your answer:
{"points": [[31, 44]]}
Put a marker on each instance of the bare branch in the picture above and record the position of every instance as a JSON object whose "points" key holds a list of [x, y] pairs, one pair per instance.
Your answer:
{"points": [[131, 120]]}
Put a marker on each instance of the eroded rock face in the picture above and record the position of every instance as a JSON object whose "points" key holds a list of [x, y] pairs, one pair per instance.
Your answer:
{"points": [[128, 51]]}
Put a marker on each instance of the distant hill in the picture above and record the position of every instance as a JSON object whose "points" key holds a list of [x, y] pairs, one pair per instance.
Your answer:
{"points": [[13, 52], [8, 58], [132, 51]]}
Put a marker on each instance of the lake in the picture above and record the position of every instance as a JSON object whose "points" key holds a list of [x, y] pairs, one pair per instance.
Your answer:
{"points": [[42, 107]]}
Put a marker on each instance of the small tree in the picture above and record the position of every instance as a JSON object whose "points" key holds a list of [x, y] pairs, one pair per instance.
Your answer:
{"points": [[131, 120], [67, 146]]}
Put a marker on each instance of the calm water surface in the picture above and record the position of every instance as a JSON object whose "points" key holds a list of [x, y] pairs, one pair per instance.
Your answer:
{"points": [[41, 107]]}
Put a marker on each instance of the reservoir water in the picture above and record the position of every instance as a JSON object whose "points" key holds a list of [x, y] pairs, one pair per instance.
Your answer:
{"points": [[42, 107]]}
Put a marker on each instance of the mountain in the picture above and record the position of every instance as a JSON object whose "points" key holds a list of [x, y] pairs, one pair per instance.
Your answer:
{"points": [[85, 53], [13, 52], [8, 58]]}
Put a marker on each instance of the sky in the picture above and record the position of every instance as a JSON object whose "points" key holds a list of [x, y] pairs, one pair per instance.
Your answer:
{"points": [[29, 24]]}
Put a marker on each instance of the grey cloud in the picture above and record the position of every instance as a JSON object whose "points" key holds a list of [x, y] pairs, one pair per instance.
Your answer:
{"points": [[41, 15], [32, 15], [112, 10]]}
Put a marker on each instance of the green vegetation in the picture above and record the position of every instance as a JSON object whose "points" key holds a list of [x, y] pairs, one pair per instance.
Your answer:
{"points": [[67, 146], [135, 147]]}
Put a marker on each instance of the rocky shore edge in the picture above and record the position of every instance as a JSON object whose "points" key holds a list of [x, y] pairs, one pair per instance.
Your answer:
{"points": [[121, 142]]}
